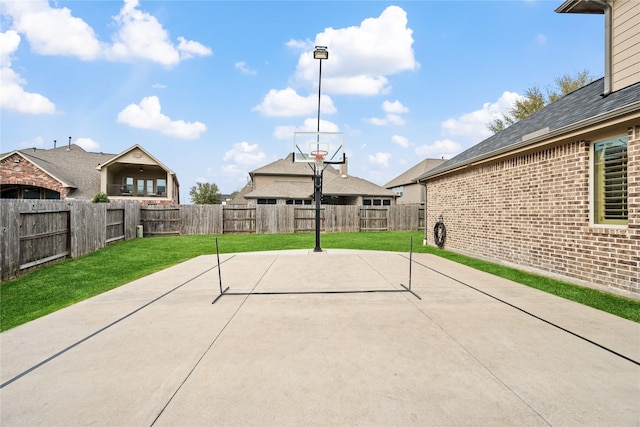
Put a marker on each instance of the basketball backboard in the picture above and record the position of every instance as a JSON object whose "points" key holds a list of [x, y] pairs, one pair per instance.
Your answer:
{"points": [[309, 145]]}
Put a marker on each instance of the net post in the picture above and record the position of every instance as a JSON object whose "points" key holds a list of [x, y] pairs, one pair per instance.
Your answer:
{"points": [[219, 275]]}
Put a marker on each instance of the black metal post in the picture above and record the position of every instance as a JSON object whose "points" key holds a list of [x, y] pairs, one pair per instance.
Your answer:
{"points": [[317, 179], [317, 194]]}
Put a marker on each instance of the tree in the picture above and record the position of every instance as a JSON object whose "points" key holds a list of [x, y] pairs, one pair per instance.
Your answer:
{"points": [[534, 100], [204, 193], [100, 198]]}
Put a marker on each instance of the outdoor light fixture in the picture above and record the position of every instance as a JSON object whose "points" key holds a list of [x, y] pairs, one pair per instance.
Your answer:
{"points": [[321, 52]]}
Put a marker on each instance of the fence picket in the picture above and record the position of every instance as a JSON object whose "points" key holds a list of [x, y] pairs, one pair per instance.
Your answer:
{"points": [[39, 231]]}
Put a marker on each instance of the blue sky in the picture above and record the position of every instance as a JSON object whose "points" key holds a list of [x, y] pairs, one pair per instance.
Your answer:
{"points": [[215, 89]]}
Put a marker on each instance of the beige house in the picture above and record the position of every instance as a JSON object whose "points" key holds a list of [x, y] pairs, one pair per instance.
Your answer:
{"points": [[558, 192], [406, 185], [136, 174], [70, 172], [288, 182]]}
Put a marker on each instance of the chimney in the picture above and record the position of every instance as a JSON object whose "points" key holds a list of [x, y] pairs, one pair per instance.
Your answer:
{"points": [[344, 168], [54, 143], [69, 146]]}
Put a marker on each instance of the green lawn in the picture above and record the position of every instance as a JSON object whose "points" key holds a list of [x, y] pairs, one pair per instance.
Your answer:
{"points": [[59, 285]]}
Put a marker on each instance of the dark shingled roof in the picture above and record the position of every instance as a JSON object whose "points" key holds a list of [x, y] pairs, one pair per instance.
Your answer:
{"points": [[574, 110], [411, 175]]}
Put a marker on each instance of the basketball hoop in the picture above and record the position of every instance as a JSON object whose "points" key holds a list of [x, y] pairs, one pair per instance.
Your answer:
{"points": [[319, 156]]}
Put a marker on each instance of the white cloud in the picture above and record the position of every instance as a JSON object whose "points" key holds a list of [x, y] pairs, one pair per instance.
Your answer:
{"points": [[393, 110], [54, 31], [158, 86], [37, 142], [394, 107], [14, 97], [300, 44], [9, 42], [245, 154], [380, 159], [147, 115], [360, 57], [357, 85], [287, 103], [189, 48], [400, 140], [474, 125], [309, 125], [244, 69], [444, 148], [87, 144], [140, 35]]}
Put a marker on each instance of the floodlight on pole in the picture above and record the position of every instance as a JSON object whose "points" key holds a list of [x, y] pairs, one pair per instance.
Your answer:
{"points": [[320, 53]]}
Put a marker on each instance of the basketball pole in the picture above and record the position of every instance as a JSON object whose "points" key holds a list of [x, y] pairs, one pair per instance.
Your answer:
{"points": [[319, 53]]}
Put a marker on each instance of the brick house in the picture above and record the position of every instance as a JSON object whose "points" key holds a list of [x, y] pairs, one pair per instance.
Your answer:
{"points": [[558, 192], [287, 182], [70, 172]]}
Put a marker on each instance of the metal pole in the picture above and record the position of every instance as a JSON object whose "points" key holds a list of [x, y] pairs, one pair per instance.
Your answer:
{"points": [[319, 85], [317, 179]]}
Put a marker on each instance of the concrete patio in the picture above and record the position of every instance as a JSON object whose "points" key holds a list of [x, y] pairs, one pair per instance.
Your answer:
{"points": [[474, 350]]}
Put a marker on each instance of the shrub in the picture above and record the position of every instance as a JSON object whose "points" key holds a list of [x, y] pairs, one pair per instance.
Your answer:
{"points": [[100, 198]]}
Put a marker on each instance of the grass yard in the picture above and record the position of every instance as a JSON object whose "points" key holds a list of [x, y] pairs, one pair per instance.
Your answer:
{"points": [[59, 285]]}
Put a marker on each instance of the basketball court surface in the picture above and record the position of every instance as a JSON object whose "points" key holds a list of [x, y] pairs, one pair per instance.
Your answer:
{"points": [[304, 338]]}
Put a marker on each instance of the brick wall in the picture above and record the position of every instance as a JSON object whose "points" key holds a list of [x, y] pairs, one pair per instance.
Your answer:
{"points": [[25, 173], [533, 210]]}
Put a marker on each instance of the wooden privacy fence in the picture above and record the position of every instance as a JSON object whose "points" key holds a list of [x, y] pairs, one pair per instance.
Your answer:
{"points": [[270, 219], [34, 232]]}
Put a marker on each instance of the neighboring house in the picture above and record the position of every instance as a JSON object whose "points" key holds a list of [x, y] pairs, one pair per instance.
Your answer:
{"points": [[406, 184], [288, 182], [69, 172], [559, 191]]}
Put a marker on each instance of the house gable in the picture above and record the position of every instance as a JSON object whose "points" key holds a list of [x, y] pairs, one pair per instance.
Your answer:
{"points": [[17, 170], [135, 155], [71, 166]]}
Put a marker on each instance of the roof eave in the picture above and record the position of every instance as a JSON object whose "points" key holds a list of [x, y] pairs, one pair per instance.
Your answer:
{"points": [[580, 6], [631, 108]]}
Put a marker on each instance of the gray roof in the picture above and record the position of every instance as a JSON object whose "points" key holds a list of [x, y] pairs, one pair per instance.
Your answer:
{"points": [[574, 111], [71, 165], [288, 167], [284, 189], [337, 185], [333, 184], [411, 175]]}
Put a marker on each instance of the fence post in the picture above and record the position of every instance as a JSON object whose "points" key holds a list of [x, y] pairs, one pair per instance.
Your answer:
{"points": [[9, 240]]}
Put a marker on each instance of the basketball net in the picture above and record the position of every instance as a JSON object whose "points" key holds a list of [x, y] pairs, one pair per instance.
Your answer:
{"points": [[319, 159]]}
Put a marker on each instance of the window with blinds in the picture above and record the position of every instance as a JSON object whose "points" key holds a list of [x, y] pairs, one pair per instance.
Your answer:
{"points": [[610, 181]]}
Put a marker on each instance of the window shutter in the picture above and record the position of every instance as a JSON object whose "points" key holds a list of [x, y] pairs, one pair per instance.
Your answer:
{"points": [[615, 182], [611, 181]]}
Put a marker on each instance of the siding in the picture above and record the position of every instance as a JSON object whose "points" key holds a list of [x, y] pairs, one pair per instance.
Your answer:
{"points": [[626, 43]]}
